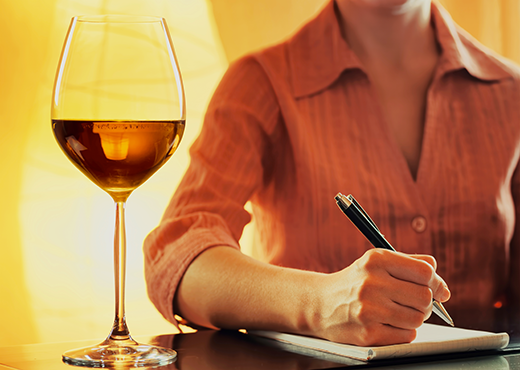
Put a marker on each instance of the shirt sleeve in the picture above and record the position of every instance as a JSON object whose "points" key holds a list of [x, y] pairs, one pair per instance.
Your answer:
{"points": [[226, 169]]}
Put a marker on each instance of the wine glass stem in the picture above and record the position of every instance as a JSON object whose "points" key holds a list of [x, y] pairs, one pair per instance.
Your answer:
{"points": [[119, 329]]}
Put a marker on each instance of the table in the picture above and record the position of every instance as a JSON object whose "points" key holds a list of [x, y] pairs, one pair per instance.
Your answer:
{"points": [[216, 350]]}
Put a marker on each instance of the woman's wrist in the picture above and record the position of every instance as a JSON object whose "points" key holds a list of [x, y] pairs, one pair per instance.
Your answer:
{"points": [[312, 286]]}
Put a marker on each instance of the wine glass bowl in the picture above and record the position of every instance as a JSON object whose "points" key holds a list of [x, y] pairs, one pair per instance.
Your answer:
{"points": [[118, 113], [121, 155]]}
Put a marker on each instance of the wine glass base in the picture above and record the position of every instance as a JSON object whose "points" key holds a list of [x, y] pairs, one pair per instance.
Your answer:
{"points": [[109, 354]]}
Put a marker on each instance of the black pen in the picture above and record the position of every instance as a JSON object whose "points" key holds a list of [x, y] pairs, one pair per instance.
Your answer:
{"points": [[353, 210]]}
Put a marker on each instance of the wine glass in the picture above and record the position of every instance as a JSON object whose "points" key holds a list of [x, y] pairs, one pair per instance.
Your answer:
{"points": [[118, 113]]}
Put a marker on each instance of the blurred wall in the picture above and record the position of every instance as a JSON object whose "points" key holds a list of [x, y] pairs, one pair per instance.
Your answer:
{"points": [[24, 36], [56, 279], [247, 25], [495, 23]]}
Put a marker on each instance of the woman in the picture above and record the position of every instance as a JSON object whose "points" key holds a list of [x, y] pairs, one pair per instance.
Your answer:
{"points": [[387, 100]]}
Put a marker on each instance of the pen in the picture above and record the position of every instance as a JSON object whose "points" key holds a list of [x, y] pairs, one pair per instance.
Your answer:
{"points": [[353, 210]]}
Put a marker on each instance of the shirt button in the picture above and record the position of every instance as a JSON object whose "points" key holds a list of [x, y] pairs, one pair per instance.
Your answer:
{"points": [[419, 224]]}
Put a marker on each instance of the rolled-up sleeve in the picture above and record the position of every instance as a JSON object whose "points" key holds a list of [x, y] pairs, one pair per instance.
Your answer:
{"points": [[226, 169]]}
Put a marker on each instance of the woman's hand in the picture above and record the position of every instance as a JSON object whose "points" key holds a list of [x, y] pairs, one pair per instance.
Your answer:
{"points": [[380, 299]]}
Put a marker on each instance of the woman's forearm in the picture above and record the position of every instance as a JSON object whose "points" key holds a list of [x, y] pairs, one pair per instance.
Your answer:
{"points": [[224, 288], [382, 298]]}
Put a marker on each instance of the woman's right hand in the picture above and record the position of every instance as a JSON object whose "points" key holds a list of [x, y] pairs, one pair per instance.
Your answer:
{"points": [[380, 299]]}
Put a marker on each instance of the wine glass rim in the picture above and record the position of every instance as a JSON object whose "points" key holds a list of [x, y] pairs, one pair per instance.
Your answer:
{"points": [[118, 18]]}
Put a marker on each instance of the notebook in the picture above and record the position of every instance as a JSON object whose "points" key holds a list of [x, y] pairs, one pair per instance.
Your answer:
{"points": [[431, 339]]}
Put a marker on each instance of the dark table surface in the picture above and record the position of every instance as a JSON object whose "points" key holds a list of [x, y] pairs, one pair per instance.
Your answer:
{"points": [[212, 350]]}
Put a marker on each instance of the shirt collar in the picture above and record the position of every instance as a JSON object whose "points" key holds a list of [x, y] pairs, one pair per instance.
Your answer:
{"points": [[318, 54], [461, 51]]}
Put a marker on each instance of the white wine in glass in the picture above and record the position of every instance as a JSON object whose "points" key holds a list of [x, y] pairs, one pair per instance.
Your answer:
{"points": [[118, 113]]}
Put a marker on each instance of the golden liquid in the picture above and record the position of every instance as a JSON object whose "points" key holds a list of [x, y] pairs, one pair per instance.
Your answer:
{"points": [[118, 155]]}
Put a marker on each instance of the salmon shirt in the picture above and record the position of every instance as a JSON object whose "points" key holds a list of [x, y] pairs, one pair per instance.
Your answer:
{"points": [[294, 124]]}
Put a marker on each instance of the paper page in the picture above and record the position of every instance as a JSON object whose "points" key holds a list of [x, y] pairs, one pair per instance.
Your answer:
{"points": [[431, 339]]}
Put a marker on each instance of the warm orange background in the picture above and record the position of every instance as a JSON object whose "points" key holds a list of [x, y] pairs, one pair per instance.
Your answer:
{"points": [[56, 278]]}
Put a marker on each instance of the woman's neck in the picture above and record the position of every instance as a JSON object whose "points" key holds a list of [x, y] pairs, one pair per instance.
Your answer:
{"points": [[394, 34]]}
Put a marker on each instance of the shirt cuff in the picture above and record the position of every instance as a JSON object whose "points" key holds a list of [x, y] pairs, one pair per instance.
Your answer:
{"points": [[166, 266]]}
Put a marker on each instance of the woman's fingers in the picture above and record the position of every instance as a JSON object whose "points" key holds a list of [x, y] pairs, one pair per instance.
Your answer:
{"points": [[380, 299], [384, 302], [417, 269], [441, 292], [426, 258]]}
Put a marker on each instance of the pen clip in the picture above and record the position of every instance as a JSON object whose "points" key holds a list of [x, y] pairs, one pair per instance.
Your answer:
{"points": [[358, 206]]}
